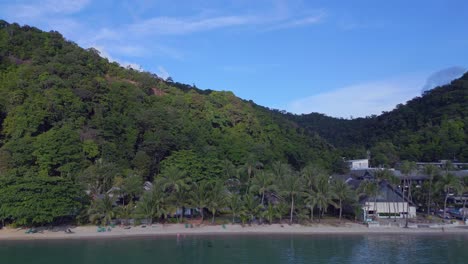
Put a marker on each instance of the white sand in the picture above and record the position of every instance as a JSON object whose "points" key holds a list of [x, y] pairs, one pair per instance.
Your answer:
{"points": [[179, 229]]}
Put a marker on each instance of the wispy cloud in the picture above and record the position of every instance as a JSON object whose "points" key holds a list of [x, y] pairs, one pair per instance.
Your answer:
{"points": [[361, 99], [163, 73], [443, 77], [178, 26], [45, 7]]}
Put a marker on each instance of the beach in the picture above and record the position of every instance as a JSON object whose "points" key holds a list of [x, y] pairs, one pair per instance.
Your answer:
{"points": [[90, 232]]}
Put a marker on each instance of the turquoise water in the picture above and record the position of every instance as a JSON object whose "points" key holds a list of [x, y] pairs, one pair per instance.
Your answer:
{"points": [[243, 249]]}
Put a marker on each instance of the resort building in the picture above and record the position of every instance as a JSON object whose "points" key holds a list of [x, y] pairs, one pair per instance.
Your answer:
{"points": [[358, 164]]}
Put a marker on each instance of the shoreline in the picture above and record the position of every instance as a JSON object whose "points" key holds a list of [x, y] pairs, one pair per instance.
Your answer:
{"points": [[159, 230]]}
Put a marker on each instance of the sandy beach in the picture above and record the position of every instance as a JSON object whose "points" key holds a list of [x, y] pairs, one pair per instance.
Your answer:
{"points": [[90, 232]]}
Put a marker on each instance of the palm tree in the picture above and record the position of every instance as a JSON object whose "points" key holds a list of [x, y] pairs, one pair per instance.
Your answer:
{"points": [[449, 183], [175, 181], [270, 213], [292, 186], [431, 171], [310, 201], [369, 188], [342, 192], [200, 196], [324, 194], [217, 198], [154, 204], [236, 206], [281, 209], [408, 168], [251, 206], [102, 210], [126, 211], [262, 183], [394, 181]]}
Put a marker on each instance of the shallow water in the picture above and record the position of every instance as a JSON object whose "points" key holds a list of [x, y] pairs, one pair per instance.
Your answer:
{"points": [[207, 249]]}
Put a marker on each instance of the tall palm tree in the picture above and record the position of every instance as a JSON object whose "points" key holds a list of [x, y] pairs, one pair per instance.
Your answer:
{"points": [[262, 183], [217, 198], [200, 196], [154, 204], [407, 169], [369, 188], [431, 171], [310, 201], [394, 181], [236, 206], [270, 213], [449, 184], [175, 181], [324, 194], [102, 210], [342, 192], [292, 186], [251, 206]]}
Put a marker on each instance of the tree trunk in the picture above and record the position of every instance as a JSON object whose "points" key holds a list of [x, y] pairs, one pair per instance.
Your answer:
{"points": [[214, 213], [201, 213], [341, 209], [292, 209], [429, 197], [445, 205], [464, 204], [263, 197]]}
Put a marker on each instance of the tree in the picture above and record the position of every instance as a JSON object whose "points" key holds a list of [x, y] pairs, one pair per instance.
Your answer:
{"points": [[262, 183], [102, 210], [292, 186], [408, 168], [342, 192], [236, 206], [431, 171], [448, 185], [218, 198], [153, 204], [200, 196], [369, 188], [324, 194], [39, 200], [175, 182]]}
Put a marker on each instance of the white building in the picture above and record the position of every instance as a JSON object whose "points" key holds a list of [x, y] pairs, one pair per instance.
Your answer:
{"points": [[358, 164], [388, 210]]}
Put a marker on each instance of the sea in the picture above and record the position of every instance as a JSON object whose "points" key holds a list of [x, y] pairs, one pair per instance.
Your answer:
{"points": [[251, 248]]}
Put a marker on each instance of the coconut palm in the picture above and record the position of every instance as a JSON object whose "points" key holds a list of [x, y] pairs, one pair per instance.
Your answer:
{"points": [[449, 184], [431, 171], [102, 210], [292, 186], [342, 192], [310, 199], [236, 206], [217, 198], [125, 212], [200, 196], [262, 183], [368, 188], [154, 204], [324, 194], [407, 169], [175, 181], [251, 207], [394, 182], [270, 213]]}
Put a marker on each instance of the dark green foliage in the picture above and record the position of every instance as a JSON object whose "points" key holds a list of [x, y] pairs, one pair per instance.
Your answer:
{"points": [[38, 200], [427, 128]]}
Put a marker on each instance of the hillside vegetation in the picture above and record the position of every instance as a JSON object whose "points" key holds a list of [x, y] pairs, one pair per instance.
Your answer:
{"points": [[427, 128]]}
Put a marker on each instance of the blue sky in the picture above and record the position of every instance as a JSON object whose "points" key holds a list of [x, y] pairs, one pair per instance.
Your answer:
{"points": [[341, 58]]}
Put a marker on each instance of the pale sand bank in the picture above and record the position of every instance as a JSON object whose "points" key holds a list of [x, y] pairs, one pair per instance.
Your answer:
{"points": [[90, 232]]}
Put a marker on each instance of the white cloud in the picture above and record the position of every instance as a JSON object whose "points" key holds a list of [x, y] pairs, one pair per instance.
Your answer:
{"points": [[162, 72], [442, 77], [177, 26], [105, 54], [362, 99], [45, 7]]}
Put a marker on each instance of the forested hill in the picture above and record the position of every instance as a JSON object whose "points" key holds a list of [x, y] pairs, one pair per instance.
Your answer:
{"points": [[65, 111], [427, 128]]}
